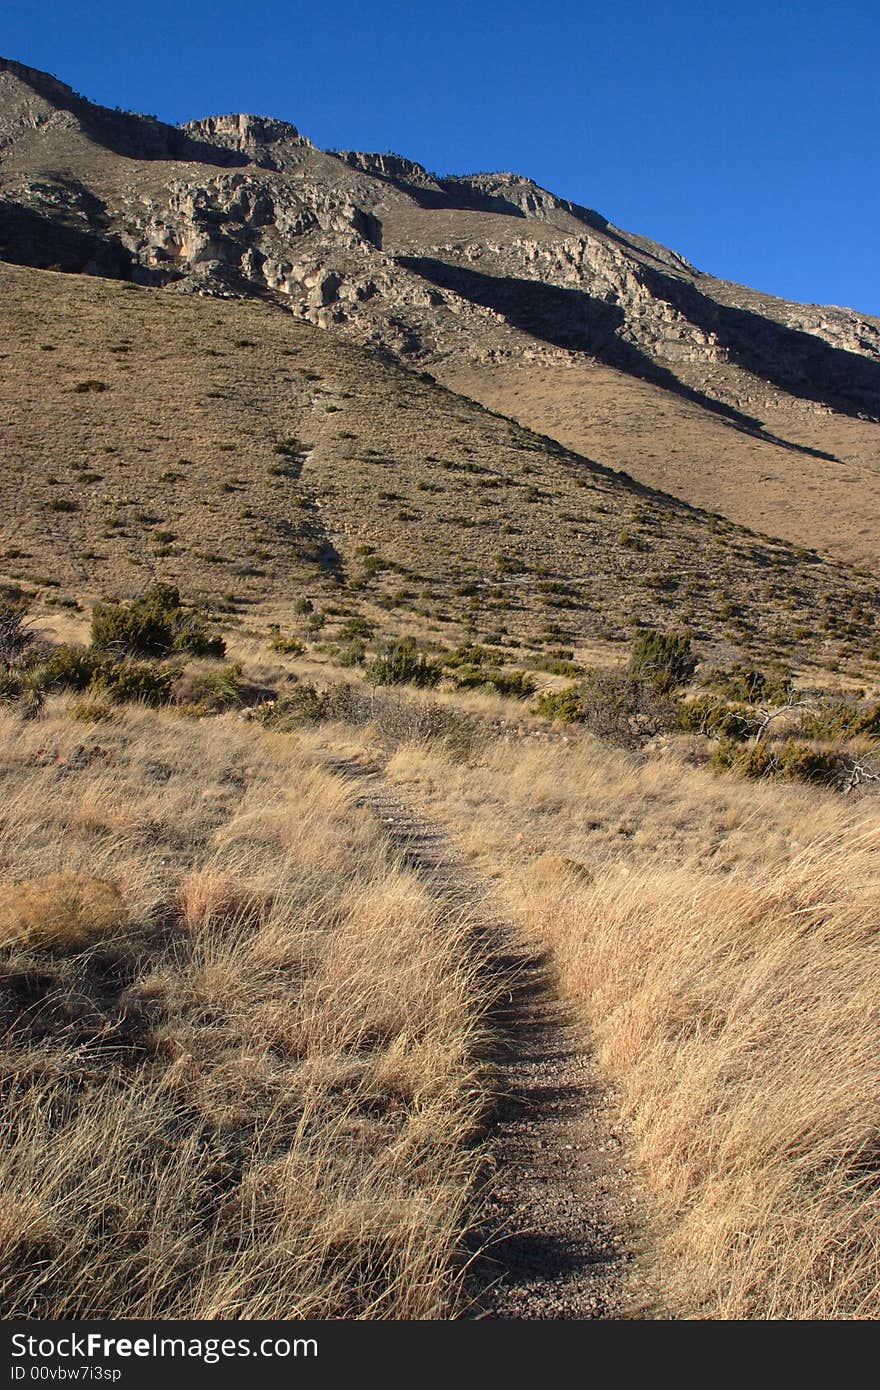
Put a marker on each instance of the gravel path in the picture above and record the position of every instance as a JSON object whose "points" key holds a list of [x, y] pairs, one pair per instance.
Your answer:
{"points": [[556, 1228]]}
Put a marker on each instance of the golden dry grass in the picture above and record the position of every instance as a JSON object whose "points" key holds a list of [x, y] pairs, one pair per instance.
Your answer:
{"points": [[723, 942], [241, 1045], [670, 443]]}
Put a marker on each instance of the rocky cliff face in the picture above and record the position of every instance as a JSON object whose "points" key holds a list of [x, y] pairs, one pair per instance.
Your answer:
{"points": [[482, 269]]}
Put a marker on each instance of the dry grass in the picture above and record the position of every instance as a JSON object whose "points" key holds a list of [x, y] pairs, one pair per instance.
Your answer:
{"points": [[241, 1046], [723, 941], [667, 442]]}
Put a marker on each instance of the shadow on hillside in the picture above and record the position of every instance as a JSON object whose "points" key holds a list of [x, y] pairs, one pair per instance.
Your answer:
{"points": [[29, 238], [578, 322], [124, 132], [797, 362], [447, 196]]}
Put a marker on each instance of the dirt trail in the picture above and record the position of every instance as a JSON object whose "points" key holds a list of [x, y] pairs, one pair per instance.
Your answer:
{"points": [[557, 1224]]}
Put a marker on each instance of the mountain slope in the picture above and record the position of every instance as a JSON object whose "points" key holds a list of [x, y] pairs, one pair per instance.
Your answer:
{"points": [[237, 451], [541, 309]]}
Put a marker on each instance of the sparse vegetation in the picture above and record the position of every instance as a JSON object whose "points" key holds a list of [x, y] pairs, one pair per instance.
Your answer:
{"points": [[213, 958]]}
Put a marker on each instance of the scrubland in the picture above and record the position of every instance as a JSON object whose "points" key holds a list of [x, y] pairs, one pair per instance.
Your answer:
{"points": [[247, 1052]]}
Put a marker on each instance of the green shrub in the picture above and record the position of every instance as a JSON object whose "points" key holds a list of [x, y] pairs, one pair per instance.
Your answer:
{"points": [[751, 687], [470, 654], [286, 646], [754, 761], [664, 658], [799, 762], [70, 667], [402, 664], [837, 719], [127, 682], [790, 759], [564, 704], [307, 704], [515, 684], [352, 653], [356, 627], [557, 666], [154, 624], [712, 717], [91, 711]]}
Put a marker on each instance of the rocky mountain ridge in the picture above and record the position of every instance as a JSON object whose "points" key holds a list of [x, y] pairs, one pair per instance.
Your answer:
{"points": [[347, 240], [468, 277]]}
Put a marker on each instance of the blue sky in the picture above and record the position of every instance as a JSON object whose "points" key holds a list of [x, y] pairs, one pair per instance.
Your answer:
{"points": [[745, 135]]}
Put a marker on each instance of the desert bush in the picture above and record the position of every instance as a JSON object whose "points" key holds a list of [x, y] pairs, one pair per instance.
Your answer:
{"points": [[564, 704], [515, 684], [624, 710], [141, 682], [70, 667], [748, 686], [153, 625], [710, 716], [799, 762], [91, 711], [193, 637], [23, 687], [403, 664], [754, 761], [286, 646], [556, 665], [400, 720], [211, 691], [663, 657], [788, 759], [10, 686], [307, 703], [356, 627], [17, 637], [351, 653], [469, 654], [841, 719]]}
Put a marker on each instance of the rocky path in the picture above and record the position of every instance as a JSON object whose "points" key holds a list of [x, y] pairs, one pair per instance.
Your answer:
{"points": [[557, 1218]]}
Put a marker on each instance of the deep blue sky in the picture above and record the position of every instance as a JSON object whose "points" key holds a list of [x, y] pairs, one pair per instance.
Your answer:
{"points": [[743, 134]]}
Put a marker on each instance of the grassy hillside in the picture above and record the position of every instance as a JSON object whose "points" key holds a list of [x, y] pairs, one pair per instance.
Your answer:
{"points": [[812, 477], [253, 460]]}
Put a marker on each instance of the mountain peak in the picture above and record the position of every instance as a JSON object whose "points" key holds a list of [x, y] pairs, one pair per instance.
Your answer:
{"points": [[246, 133]]}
